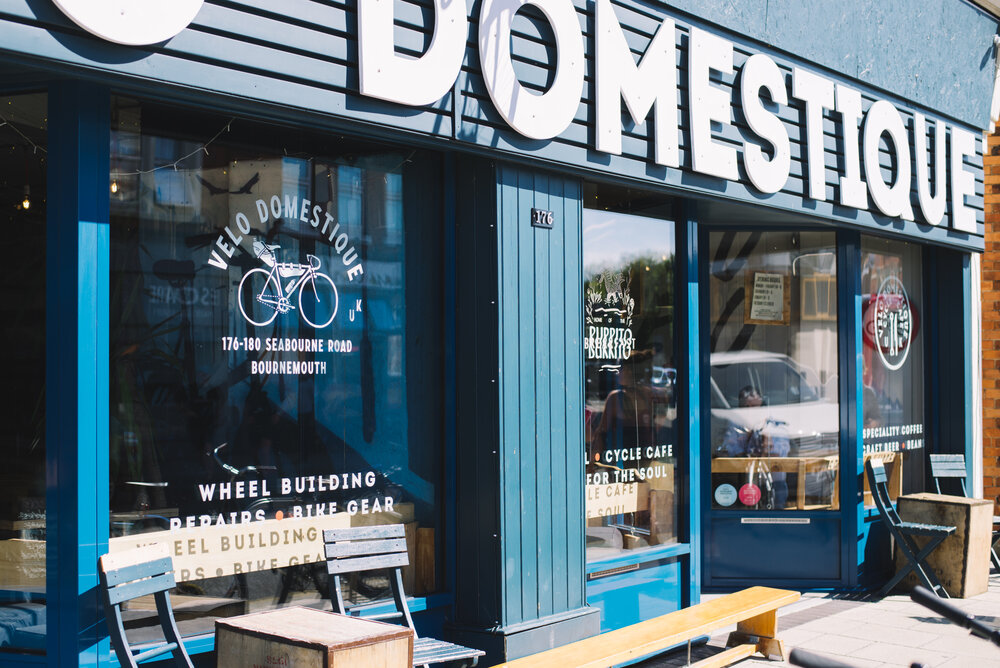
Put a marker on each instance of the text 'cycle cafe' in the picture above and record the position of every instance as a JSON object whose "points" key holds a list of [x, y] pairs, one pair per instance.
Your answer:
{"points": [[589, 306]]}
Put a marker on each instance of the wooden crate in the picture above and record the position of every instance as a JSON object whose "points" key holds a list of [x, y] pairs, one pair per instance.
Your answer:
{"points": [[962, 560], [307, 638]]}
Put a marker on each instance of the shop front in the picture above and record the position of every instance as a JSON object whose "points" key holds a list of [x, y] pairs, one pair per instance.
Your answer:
{"points": [[607, 303]]}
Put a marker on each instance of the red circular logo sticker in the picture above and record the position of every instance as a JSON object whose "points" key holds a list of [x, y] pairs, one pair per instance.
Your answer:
{"points": [[750, 494]]}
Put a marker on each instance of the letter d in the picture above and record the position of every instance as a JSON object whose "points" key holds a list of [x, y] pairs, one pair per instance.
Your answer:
{"points": [[411, 81]]}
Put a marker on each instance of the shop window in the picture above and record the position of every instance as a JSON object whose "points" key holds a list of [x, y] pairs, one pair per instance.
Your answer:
{"points": [[773, 380], [893, 355], [23, 134], [272, 374], [631, 373]]}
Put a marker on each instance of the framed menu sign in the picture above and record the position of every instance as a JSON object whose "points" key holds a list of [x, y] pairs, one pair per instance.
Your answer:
{"points": [[767, 299]]}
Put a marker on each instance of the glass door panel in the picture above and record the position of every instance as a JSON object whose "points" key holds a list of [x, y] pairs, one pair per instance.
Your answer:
{"points": [[631, 377], [773, 381]]}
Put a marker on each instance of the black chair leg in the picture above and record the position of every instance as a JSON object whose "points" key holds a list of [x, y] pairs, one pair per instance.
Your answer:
{"points": [[915, 563], [926, 573]]}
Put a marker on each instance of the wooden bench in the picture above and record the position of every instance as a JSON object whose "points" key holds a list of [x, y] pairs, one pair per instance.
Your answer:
{"points": [[754, 611]]}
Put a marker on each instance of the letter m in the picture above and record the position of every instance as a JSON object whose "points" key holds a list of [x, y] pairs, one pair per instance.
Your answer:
{"points": [[652, 82]]}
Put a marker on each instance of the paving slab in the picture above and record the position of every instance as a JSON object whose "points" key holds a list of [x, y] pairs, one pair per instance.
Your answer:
{"points": [[865, 632]]}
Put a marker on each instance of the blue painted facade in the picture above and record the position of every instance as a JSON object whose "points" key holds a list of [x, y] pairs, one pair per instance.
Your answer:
{"points": [[511, 352]]}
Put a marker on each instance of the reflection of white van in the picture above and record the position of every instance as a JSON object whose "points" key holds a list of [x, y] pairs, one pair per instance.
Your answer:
{"points": [[792, 398]]}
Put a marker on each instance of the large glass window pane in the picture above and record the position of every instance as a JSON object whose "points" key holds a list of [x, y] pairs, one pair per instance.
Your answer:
{"points": [[23, 133], [893, 354], [631, 376], [265, 358], [773, 381]]}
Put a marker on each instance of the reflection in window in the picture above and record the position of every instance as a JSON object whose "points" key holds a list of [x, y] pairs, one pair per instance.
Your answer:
{"points": [[259, 361], [773, 381], [23, 194], [893, 355], [631, 380]]}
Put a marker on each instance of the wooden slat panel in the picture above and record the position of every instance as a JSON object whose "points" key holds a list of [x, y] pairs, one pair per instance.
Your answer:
{"points": [[558, 349], [364, 533], [139, 571], [155, 652], [135, 589], [572, 463], [352, 564], [479, 396], [538, 275], [510, 426], [139, 555], [358, 548], [547, 196]]}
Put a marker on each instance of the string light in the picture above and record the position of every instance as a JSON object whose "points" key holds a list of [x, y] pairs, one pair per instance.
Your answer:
{"points": [[35, 148], [26, 202], [176, 163]]}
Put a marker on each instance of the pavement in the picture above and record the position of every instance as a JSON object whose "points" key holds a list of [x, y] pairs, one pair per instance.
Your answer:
{"points": [[862, 631]]}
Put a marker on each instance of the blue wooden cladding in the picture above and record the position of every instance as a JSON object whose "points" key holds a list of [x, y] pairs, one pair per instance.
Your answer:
{"points": [[304, 55], [520, 532]]}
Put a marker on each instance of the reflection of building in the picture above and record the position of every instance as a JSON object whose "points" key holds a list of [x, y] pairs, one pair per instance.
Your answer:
{"points": [[761, 227]]}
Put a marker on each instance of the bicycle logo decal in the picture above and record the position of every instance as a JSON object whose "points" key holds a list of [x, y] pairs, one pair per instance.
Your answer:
{"points": [[265, 292]]}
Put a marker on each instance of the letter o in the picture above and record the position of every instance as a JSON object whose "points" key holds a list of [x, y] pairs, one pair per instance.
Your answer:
{"points": [[243, 223], [534, 115]]}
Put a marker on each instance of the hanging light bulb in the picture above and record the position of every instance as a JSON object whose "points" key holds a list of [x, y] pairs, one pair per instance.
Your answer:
{"points": [[114, 187], [26, 202]]}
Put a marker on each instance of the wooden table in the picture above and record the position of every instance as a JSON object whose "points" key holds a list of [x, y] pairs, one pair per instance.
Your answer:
{"points": [[307, 638], [962, 561]]}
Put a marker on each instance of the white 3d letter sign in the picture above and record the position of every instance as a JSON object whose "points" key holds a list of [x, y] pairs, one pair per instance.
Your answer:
{"points": [[641, 86], [390, 76], [769, 176], [130, 22], [710, 103], [649, 84], [538, 116], [893, 201]]}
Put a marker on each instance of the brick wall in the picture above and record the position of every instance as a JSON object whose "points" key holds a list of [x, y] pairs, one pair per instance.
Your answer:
{"points": [[991, 324]]}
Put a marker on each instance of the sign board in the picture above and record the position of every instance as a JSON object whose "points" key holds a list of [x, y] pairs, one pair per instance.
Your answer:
{"points": [[215, 551], [768, 299]]}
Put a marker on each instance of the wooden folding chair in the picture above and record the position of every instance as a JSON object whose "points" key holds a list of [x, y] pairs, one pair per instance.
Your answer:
{"points": [[952, 467], [384, 547], [904, 532], [128, 575]]}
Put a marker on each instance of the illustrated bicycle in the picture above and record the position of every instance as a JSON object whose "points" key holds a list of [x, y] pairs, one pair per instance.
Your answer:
{"points": [[262, 296]]}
